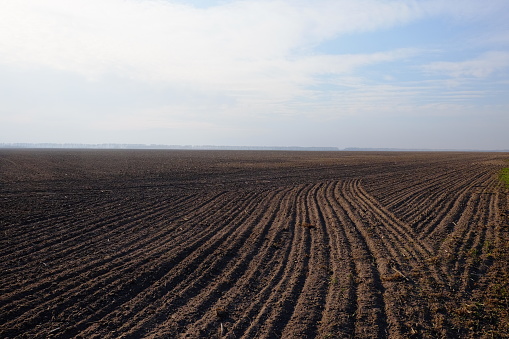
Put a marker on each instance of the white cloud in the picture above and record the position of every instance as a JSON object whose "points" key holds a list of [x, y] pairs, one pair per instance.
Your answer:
{"points": [[164, 41], [246, 43], [481, 67]]}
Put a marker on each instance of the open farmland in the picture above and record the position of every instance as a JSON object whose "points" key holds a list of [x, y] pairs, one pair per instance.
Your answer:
{"points": [[204, 244]]}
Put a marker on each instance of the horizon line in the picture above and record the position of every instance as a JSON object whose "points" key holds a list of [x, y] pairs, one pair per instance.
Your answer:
{"points": [[128, 146]]}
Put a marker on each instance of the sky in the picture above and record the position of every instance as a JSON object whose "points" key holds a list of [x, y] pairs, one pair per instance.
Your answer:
{"points": [[366, 73]]}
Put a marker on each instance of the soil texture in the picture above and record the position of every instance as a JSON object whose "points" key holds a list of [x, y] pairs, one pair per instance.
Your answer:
{"points": [[246, 244]]}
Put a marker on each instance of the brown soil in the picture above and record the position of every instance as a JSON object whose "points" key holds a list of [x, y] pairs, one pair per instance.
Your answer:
{"points": [[179, 244]]}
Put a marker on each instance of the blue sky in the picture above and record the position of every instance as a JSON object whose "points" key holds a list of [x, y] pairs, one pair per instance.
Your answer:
{"points": [[364, 73]]}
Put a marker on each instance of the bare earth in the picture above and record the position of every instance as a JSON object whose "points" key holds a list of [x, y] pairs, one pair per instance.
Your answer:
{"points": [[224, 244]]}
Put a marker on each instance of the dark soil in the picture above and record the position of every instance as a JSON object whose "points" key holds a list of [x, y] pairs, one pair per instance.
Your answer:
{"points": [[224, 244]]}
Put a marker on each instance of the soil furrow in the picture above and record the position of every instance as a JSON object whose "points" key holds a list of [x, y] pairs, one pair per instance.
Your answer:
{"points": [[371, 313], [338, 320], [279, 305], [225, 244], [126, 270], [309, 306], [220, 271], [273, 264], [478, 255], [235, 278], [264, 264], [111, 261], [151, 272], [443, 223], [393, 234]]}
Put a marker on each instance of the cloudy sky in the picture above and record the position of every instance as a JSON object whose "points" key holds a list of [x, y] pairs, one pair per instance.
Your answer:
{"points": [[356, 73]]}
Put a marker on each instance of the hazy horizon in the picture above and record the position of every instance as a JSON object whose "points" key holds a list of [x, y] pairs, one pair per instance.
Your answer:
{"points": [[114, 146], [369, 74]]}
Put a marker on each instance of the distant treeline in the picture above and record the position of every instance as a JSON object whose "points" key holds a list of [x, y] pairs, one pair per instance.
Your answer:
{"points": [[230, 148], [171, 147]]}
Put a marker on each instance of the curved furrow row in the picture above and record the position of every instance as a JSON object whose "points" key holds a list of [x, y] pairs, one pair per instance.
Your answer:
{"points": [[271, 245], [400, 260], [72, 208], [395, 191], [39, 282], [218, 271], [427, 201], [398, 200], [474, 254], [370, 266], [442, 224], [387, 191], [434, 208], [75, 228], [250, 303], [114, 274], [407, 253], [85, 271], [309, 306], [379, 230], [75, 244], [35, 233], [280, 303], [243, 294], [422, 201], [432, 199], [411, 311], [52, 210], [137, 271], [374, 231], [341, 303], [401, 263], [400, 230], [454, 246], [183, 280], [432, 279]]}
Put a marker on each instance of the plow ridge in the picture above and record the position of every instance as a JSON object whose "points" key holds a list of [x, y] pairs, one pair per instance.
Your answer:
{"points": [[120, 233], [170, 259], [215, 273], [266, 245], [279, 306], [370, 265]]}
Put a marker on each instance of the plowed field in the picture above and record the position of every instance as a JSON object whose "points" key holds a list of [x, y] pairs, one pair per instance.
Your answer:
{"points": [[205, 244]]}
